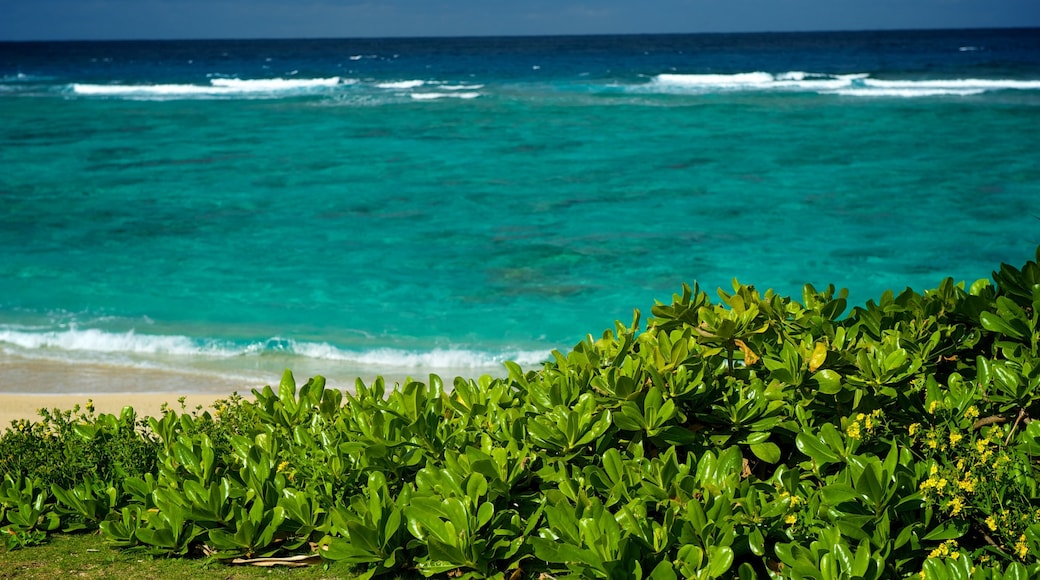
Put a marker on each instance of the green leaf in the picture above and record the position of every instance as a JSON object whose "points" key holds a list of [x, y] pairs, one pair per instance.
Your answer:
{"points": [[757, 542], [1016, 571], [827, 382], [869, 485], [663, 571], [720, 559], [843, 556], [835, 494], [947, 530], [996, 323], [815, 449], [553, 550], [768, 452], [935, 569]]}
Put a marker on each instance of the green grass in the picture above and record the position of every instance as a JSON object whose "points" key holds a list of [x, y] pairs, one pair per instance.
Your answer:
{"points": [[88, 556]]}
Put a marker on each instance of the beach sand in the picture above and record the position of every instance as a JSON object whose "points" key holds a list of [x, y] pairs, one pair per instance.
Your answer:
{"points": [[28, 385], [25, 406]]}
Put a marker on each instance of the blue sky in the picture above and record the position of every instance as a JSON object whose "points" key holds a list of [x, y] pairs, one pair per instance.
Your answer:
{"points": [[153, 19]]}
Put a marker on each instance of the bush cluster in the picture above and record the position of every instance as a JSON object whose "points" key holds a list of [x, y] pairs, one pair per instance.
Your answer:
{"points": [[755, 436]]}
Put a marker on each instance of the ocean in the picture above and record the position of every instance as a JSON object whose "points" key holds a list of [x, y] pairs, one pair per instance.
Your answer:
{"points": [[192, 216]]}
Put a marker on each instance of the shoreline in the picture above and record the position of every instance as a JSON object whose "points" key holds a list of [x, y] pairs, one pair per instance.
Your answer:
{"points": [[27, 385], [16, 406]]}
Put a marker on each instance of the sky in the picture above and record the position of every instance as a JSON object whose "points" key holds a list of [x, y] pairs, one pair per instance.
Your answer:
{"points": [[187, 19]]}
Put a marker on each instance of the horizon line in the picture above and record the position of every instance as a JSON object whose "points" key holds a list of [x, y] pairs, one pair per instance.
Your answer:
{"points": [[518, 35]]}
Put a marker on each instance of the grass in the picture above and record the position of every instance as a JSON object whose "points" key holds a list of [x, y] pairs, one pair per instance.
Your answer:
{"points": [[88, 556]]}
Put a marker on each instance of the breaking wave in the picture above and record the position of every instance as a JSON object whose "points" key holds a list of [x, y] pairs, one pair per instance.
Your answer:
{"points": [[856, 84]]}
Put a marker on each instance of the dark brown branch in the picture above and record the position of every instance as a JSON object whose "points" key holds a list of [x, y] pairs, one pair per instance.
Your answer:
{"points": [[989, 421]]}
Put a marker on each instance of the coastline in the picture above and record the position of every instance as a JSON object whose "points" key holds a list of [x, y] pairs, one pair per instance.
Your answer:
{"points": [[28, 384], [16, 406]]}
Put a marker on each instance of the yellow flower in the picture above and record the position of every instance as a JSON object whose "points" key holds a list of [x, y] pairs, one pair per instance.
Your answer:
{"points": [[947, 548], [991, 523], [955, 438], [933, 469], [913, 428], [853, 430], [931, 438], [933, 406], [1000, 461], [1021, 550], [791, 519], [871, 420], [971, 413], [933, 483], [955, 506], [282, 466], [967, 484]]}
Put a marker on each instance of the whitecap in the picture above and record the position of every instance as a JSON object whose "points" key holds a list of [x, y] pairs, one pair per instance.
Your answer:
{"points": [[92, 340], [718, 81], [855, 84], [217, 87], [263, 85], [434, 96], [440, 358], [907, 92], [401, 84], [460, 87]]}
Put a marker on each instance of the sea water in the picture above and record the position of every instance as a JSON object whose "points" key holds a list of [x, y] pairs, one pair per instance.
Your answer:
{"points": [[217, 211]]}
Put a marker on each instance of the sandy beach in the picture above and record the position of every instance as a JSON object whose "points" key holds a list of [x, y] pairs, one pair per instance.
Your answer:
{"points": [[28, 385], [25, 406]]}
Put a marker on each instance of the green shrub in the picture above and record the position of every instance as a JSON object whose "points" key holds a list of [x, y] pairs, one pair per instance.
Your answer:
{"points": [[65, 447], [756, 436]]}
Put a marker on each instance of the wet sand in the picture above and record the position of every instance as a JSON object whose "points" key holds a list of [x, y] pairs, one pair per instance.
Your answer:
{"points": [[28, 385], [25, 406]]}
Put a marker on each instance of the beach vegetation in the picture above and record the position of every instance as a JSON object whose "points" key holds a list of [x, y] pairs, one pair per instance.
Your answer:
{"points": [[756, 435]]}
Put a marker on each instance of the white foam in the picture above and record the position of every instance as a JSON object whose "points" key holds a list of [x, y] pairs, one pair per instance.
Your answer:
{"points": [[752, 81], [265, 85], [401, 84], [857, 84], [142, 90], [217, 87], [433, 359], [908, 92], [955, 84], [738, 80], [99, 341], [434, 96], [147, 350]]}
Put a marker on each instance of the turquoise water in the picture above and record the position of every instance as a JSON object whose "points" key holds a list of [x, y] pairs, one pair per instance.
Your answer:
{"points": [[457, 206]]}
